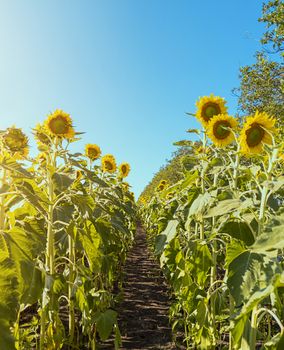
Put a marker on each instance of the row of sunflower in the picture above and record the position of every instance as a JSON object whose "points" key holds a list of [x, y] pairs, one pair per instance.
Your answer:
{"points": [[66, 224], [219, 232]]}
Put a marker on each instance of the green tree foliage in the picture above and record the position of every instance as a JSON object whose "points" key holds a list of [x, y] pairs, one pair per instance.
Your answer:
{"points": [[172, 171], [261, 87], [262, 83], [273, 17]]}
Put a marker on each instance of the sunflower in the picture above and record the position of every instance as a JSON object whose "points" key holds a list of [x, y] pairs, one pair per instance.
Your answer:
{"points": [[59, 124], [92, 151], [170, 195], [41, 158], [208, 107], [162, 185], [124, 169], [108, 163], [15, 142], [257, 131], [220, 128], [40, 135]]}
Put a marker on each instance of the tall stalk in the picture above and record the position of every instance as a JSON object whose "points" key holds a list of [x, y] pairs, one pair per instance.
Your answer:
{"points": [[261, 218], [72, 261], [201, 226], [50, 251]]}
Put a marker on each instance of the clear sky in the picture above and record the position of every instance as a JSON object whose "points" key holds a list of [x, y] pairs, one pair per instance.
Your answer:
{"points": [[126, 70]]}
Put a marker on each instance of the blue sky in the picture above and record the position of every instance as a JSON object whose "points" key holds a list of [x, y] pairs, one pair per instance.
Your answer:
{"points": [[126, 70]]}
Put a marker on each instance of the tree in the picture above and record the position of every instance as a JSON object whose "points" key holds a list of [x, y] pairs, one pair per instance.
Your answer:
{"points": [[273, 16], [262, 83]]}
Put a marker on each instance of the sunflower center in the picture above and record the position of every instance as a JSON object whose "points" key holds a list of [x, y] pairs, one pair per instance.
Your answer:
{"points": [[254, 135], [59, 125], [123, 169], [108, 165], [92, 152], [220, 130], [210, 109]]}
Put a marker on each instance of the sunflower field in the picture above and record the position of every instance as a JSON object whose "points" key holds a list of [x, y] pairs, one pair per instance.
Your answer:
{"points": [[66, 224], [219, 232]]}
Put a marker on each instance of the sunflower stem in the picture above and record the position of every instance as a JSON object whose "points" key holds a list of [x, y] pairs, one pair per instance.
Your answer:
{"points": [[2, 201], [265, 190], [236, 169], [72, 263], [49, 258], [204, 141]]}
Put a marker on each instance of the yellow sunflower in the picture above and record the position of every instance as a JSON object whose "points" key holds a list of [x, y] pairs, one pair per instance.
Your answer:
{"points": [[220, 128], [15, 142], [108, 163], [41, 158], [257, 130], [162, 185], [92, 151], [40, 135], [124, 169], [59, 124], [208, 107], [170, 195]]}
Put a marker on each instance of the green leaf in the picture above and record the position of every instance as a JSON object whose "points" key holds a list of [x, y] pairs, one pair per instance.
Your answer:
{"points": [[105, 322], [7, 340], [61, 182], [239, 230], [269, 241], [166, 236], [250, 273], [199, 206], [224, 207], [234, 249], [239, 332], [183, 143], [9, 296], [16, 168], [199, 262]]}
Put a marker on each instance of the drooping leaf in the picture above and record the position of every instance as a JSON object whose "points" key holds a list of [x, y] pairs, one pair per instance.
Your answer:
{"points": [[166, 236], [250, 273], [224, 207], [239, 230], [105, 322]]}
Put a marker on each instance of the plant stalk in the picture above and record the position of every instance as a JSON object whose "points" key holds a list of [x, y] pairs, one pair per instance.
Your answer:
{"points": [[49, 260]]}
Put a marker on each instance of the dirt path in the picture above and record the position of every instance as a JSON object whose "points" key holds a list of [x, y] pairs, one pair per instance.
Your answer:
{"points": [[143, 314]]}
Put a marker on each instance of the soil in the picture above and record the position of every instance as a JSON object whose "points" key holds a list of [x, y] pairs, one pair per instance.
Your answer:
{"points": [[143, 313]]}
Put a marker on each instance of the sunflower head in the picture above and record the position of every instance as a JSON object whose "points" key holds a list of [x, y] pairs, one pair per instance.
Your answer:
{"points": [[124, 170], [170, 195], [59, 124], [41, 158], [40, 135], [257, 130], [208, 107], [162, 185], [92, 151], [220, 129], [108, 163], [15, 142]]}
